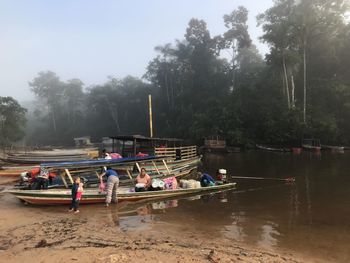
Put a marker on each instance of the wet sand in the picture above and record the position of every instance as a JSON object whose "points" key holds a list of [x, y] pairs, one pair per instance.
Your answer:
{"points": [[120, 233]]}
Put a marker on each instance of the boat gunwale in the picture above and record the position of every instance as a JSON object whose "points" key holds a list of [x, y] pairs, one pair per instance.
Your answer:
{"points": [[64, 196]]}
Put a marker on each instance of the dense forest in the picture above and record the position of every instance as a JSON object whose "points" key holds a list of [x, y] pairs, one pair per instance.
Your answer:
{"points": [[219, 85]]}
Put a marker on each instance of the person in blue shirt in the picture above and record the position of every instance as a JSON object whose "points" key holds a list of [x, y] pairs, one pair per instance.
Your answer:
{"points": [[112, 185], [206, 179]]}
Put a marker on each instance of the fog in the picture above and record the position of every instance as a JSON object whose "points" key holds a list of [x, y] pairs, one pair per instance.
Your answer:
{"points": [[91, 40]]}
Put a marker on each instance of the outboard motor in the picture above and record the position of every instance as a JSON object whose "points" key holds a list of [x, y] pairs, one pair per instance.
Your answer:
{"points": [[222, 176]]}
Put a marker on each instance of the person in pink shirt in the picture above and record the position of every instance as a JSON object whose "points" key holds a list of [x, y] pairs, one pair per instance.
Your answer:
{"points": [[143, 181]]}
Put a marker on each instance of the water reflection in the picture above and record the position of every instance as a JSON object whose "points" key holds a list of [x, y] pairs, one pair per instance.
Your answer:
{"points": [[137, 216], [310, 216], [269, 235]]}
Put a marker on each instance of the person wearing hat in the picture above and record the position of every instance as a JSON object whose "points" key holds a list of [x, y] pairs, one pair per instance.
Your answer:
{"points": [[205, 179], [221, 175]]}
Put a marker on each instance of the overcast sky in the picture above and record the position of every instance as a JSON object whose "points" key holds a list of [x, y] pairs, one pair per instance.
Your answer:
{"points": [[90, 40]]}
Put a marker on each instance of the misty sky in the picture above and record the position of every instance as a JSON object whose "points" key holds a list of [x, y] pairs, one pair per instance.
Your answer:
{"points": [[91, 40]]}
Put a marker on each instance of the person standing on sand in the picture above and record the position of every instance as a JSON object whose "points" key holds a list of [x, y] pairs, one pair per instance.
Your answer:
{"points": [[77, 191], [112, 185]]}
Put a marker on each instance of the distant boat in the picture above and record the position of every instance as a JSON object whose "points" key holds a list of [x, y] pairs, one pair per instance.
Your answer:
{"points": [[37, 157], [333, 148], [296, 150], [218, 144], [271, 149], [311, 144]]}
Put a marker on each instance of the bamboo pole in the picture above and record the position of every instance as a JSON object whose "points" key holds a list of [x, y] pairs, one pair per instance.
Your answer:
{"points": [[167, 168], [69, 176], [150, 115], [64, 179], [129, 174], [138, 167], [155, 166]]}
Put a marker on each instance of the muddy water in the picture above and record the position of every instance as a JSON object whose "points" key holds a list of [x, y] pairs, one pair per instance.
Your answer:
{"points": [[310, 217]]}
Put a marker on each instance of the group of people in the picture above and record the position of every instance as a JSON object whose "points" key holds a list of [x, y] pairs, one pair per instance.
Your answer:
{"points": [[38, 178], [143, 183]]}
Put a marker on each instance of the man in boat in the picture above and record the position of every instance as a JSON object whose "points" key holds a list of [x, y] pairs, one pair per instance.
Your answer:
{"points": [[221, 176], [143, 181], [112, 185], [205, 179], [41, 178]]}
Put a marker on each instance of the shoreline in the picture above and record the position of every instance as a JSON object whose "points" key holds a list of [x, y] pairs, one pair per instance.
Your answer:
{"points": [[50, 234]]}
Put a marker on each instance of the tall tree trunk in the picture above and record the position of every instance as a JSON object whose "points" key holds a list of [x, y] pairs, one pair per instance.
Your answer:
{"points": [[304, 69], [53, 119], [166, 85], [114, 114], [233, 65], [293, 91], [286, 80], [283, 84]]}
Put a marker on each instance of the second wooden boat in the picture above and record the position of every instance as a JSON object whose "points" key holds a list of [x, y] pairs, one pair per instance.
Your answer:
{"points": [[332, 148], [271, 149], [92, 196]]}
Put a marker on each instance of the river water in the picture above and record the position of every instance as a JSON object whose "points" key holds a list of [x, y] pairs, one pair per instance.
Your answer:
{"points": [[309, 217]]}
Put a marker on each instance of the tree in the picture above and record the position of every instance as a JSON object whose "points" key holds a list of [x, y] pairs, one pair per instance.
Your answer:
{"points": [[48, 87], [237, 36], [279, 28], [12, 121]]}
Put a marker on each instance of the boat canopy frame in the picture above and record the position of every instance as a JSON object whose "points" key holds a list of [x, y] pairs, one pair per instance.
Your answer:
{"points": [[68, 169], [141, 143]]}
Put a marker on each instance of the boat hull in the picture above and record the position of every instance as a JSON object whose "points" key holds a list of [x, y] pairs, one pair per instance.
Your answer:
{"points": [[60, 197], [271, 149], [333, 148], [311, 148]]}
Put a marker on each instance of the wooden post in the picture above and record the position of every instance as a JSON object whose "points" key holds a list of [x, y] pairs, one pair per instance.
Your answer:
{"points": [[166, 166], [150, 115], [64, 180], [69, 175], [128, 172], [138, 167], [155, 166], [134, 147]]}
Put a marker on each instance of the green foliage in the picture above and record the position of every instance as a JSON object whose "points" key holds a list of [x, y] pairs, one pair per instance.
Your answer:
{"points": [[12, 121], [197, 92]]}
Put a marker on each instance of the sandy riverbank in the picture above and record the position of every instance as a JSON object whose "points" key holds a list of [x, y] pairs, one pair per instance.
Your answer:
{"points": [[114, 234]]}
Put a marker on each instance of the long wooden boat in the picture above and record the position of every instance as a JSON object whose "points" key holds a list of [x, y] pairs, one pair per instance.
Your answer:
{"points": [[127, 168], [41, 159], [13, 171], [92, 196], [271, 149], [311, 147], [332, 148], [37, 157], [311, 144]]}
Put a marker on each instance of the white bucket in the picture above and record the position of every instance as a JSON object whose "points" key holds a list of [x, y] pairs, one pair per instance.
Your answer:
{"points": [[155, 183]]}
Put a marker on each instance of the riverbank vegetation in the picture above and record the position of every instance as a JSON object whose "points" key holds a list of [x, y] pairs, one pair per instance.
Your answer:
{"points": [[208, 84]]}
